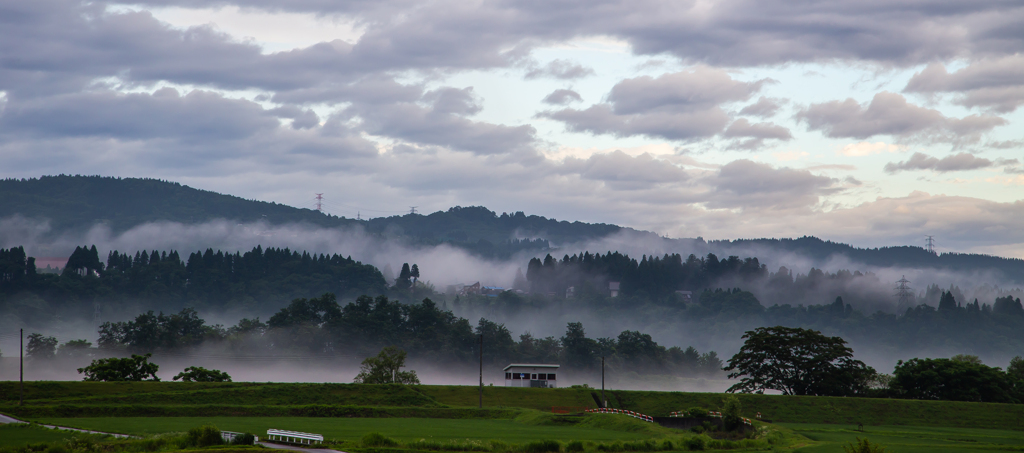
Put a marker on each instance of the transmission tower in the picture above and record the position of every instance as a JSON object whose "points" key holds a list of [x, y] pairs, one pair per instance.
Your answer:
{"points": [[905, 294], [930, 244], [319, 202], [412, 209]]}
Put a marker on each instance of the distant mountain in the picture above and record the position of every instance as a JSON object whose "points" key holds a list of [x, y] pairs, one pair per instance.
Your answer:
{"points": [[904, 256], [72, 203]]}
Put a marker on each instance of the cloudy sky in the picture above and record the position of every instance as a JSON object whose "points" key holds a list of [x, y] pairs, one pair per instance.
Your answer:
{"points": [[873, 122]]}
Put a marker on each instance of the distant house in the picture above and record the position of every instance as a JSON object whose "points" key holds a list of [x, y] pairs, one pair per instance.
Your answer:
{"points": [[531, 375], [491, 291], [613, 287], [687, 296], [570, 292], [470, 289]]}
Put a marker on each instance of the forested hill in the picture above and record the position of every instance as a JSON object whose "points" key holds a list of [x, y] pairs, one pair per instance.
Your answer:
{"points": [[901, 256], [78, 202], [75, 202]]}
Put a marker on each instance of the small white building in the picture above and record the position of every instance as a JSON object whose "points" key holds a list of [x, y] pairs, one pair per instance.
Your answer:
{"points": [[531, 375], [613, 288]]}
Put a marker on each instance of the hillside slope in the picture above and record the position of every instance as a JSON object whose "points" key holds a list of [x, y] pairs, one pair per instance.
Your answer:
{"points": [[75, 203]]}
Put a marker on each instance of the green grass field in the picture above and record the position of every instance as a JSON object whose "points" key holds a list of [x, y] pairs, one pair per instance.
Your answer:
{"points": [[346, 412], [352, 429], [16, 435], [906, 439]]}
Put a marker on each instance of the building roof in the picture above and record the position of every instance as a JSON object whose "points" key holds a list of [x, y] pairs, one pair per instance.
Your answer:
{"points": [[531, 365]]}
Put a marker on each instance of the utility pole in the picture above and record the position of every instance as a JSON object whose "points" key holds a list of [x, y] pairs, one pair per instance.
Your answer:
{"points": [[319, 202], [481, 371], [412, 209], [930, 244], [604, 402], [21, 365]]}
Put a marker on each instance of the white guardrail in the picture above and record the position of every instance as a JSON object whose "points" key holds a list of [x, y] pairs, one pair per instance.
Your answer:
{"points": [[294, 437]]}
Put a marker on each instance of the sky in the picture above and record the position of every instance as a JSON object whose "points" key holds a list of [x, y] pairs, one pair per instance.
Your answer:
{"points": [[873, 122]]}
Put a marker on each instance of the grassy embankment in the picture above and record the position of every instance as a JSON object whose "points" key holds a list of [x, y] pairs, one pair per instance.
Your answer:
{"points": [[96, 399], [512, 417]]}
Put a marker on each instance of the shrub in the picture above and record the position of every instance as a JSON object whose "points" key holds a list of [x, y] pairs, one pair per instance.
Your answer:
{"points": [[376, 439], [575, 446], [57, 449], [542, 446], [697, 412], [863, 446], [696, 443], [731, 413], [244, 439], [667, 445], [200, 374], [204, 436]]}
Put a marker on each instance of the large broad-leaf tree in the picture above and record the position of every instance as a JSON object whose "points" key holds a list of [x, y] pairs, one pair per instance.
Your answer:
{"points": [[955, 379], [386, 368], [134, 368], [797, 361]]}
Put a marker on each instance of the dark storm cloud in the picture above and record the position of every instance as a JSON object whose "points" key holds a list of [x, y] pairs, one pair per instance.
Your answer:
{"points": [[561, 97], [677, 106], [954, 162], [996, 84], [891, 114]]}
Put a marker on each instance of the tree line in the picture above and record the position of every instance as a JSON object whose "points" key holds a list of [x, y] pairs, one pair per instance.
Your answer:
{"points": [[798, 361], [206, 279], [322, 326]]}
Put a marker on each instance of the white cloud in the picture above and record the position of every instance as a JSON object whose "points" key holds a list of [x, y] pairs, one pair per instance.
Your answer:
{"points": [[861, 149]]}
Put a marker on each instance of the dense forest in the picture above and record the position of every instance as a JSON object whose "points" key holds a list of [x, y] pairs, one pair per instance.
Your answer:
{"points": [[209, 280]]}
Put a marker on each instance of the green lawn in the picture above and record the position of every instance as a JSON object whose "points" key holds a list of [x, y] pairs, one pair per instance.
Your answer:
{"points": [[909, 439], [17, 435], [404, 429]]}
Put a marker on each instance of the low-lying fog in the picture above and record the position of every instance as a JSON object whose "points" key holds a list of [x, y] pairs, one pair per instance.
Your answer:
{"points": [[444, 265]]}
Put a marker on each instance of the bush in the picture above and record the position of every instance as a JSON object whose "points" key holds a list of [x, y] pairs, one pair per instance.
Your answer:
{"points": [[731, 413], [667, 445], [863, 446], [204, 436], [697, 412], [575, 446], [57, 449], [200, 374], [244, 439], [376, 439], [542, 446], [696, 443]]}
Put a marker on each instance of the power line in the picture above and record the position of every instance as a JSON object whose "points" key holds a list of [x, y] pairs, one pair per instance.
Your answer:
{"points": [[905, 294]]}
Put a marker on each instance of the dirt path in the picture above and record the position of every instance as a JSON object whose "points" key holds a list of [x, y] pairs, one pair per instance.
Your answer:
{"points": [[4, 419]]}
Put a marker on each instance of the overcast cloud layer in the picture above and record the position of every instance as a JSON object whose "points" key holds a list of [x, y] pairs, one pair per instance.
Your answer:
{"points": [[873, 122]]}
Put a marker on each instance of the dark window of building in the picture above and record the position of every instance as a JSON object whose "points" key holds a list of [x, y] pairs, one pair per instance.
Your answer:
{"points": [[551, 377], [517, 376], [508, 375], [534, 376]]}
